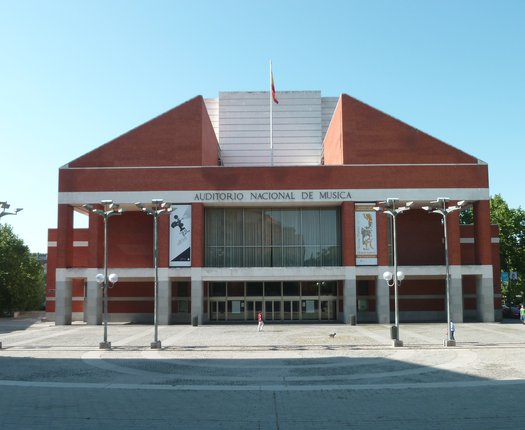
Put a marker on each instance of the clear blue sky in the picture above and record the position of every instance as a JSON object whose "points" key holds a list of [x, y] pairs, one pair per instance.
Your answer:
{"points": [[76, 74]]}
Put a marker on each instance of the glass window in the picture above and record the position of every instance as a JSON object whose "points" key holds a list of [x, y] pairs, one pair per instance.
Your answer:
{"points": [[291, 289], [218, 289], [182, 306], [253, 227], [254, 289], [287, 237], [181, 289], [309, 288], [329, 288], [272, 289], [235, 289], [362, 287]]}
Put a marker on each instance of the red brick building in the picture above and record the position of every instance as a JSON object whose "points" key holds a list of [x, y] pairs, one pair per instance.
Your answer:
{"points": [[280, 221]]}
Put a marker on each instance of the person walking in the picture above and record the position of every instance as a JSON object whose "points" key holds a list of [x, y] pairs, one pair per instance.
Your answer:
{"points": [[261, 322], [452, 330], [522, 314]]}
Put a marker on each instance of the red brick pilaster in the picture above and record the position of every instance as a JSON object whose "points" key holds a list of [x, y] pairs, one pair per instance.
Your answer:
{"points": [[382, 239], [454, 235], [164, 240], [482, 236], [65, 236], [96, 241], [197, 235], [348, 233]]}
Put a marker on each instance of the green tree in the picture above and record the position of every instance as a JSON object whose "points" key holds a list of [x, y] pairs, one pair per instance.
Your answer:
{"points": [[22, 278], [511, 224]]}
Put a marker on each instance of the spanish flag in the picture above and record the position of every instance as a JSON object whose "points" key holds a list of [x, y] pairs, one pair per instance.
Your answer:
{"points": [[272, 86]]}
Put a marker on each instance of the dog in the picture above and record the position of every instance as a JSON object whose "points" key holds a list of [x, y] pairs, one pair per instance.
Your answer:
{"points": [[332, 335]]}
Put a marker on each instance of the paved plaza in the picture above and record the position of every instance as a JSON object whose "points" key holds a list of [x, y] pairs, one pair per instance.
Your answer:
{"points": [[292, 376]]}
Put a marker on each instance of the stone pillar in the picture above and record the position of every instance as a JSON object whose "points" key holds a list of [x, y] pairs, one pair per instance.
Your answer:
{"points": [[349, 296], [196, 295], [382, 301], [456, 294], [93, 304], [485, 296], [63, 305], [164, 316]]}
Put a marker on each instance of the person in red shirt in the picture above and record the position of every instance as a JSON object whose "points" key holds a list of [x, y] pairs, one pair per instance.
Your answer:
{"points": [[261, 322]]}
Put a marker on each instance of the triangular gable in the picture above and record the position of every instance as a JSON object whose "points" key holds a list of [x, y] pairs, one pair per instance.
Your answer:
{"points": [[360, 134], [183, 136]]}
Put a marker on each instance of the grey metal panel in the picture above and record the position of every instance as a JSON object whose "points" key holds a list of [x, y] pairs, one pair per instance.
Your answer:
{"points": [[242, 123], [328, 105]]}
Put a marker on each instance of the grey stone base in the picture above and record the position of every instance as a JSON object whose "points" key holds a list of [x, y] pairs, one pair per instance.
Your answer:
{"points": [[156, 345]]}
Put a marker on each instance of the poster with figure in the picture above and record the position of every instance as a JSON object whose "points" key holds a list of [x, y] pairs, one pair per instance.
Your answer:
{"points": [[365, 235], [180, 236]]}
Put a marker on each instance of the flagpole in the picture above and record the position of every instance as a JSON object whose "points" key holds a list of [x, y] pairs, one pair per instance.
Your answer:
{"points": [[271, 115]]}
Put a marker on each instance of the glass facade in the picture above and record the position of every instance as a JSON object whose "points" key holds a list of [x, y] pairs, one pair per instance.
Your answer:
{"points": [[278, 301], [273, 237]]}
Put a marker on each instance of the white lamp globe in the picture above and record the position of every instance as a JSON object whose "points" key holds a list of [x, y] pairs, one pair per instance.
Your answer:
{"points": [[113, 278], [400, 275], [387, 276], [99, 278]]}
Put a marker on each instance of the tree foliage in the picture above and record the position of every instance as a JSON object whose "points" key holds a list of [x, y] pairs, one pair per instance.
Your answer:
{"points": [[22, 278], [511, 223]]}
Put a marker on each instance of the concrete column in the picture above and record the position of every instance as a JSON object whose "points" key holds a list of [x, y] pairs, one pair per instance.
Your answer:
{"points": [[63, 302], [93, 305], [349, 297], [485, 296], [382, 301], [164, 316], [456, 294], [196, 295]]}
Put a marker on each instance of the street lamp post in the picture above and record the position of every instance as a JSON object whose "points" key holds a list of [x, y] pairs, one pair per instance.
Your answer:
{"points": [[110, 209], [159, 207], [5, 206], [442, 209], [394, 279]]}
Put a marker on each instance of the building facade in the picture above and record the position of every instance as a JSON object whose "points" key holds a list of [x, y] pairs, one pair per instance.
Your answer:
{"points": [[273, 210]]}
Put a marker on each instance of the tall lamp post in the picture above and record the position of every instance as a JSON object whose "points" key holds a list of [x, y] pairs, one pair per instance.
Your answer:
{"points": [[440, 207], [394, 279], [159, 207], [110, 209], [5, 206]]}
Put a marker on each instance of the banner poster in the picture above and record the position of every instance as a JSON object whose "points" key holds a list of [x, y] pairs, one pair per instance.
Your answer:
{"points": [[365, 235], [180, 236]]}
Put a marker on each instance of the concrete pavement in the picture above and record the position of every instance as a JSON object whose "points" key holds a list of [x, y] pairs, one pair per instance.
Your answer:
{"points": [[286, 377]]}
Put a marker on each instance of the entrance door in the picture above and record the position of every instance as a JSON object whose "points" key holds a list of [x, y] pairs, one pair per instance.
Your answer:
{"points": [[252, 308], [277, 314], [272, 310], [217, 310], [291, 310], [328, 310]]}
